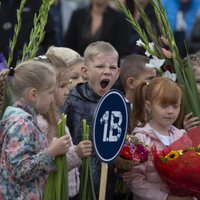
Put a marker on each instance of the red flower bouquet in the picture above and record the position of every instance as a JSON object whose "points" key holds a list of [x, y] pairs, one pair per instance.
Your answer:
{"points": [[132, 154], [179, 164]]}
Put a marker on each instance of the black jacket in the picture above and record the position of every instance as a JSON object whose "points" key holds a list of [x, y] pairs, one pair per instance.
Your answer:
{"points": [[115, 30], [8, 20]]}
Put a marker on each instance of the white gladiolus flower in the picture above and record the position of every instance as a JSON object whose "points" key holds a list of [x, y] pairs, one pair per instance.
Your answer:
{"points": [[169, 75], [140, 43], [155, 62], [151, 46], [147, 53]]}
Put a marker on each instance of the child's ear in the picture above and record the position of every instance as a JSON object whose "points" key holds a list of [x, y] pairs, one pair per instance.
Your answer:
{"points": [[130, 83], [32, 95], [84, 72]]}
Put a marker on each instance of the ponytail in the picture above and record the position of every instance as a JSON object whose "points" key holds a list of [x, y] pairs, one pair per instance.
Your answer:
{"points": [[138, 115]]}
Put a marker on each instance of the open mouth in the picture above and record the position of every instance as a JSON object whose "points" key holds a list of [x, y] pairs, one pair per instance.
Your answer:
{"points": [[104, 83]]}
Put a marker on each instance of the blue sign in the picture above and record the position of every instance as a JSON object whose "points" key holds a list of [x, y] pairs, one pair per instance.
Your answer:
{"points": [[110, 125]]}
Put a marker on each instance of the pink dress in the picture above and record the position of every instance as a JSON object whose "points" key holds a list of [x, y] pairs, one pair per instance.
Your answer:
{"points": [[73, 161]]}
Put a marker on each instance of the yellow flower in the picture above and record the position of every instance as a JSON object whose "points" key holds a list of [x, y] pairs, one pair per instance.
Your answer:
{"points": [[172, 155]]}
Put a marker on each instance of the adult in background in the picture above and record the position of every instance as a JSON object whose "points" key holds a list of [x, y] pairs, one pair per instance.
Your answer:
{"points": [[98, 22], [182, 15], [8, 19]]}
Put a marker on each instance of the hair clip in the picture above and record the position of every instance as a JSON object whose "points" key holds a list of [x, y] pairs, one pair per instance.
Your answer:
{"points": [[42, 57], [11, 71], [70, 81]]}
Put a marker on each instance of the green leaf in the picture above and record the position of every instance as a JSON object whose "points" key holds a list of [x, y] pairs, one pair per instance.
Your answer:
{"points": [[57, 183]]}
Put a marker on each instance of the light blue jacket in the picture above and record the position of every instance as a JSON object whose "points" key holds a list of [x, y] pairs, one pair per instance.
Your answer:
{"points": [[172, 7]]}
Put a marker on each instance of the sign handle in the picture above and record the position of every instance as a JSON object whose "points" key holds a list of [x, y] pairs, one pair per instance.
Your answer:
{"points": [[103, 181]]}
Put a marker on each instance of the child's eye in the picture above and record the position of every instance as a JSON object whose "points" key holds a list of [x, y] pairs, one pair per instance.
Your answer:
{"points": [[74, 77], [63, 85], [176, 105], [113, 67], [99, 66], [164, 106]]}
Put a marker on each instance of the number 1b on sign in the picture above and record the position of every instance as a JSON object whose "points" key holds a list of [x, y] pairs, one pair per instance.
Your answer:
{"points": [[112, 126]]}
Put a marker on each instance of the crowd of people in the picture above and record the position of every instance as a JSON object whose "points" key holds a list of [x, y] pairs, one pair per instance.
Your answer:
{"points": [[85, 57]]}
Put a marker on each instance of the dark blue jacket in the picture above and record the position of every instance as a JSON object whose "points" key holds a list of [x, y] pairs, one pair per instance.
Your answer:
{"points": [[81, 104]]}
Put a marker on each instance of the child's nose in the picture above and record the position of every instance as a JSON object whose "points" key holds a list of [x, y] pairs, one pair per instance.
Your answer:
{"points": [[107, 70], [170, 109]]}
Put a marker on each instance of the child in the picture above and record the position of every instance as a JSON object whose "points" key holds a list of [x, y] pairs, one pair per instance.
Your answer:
{"points": [[25, 157], [73, 60], [132, 71], [77, 72], [66, 54], [190, 121], [100, 59], [157, 105], [75, 153]]}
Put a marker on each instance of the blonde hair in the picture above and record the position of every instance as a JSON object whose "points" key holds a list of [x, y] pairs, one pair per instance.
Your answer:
{"points": [[32, 73], [61, 69], [66, 54], [97, 48], [75, 61]]}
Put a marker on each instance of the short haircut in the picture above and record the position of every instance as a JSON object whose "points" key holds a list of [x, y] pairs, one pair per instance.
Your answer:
{"points": [[96, 48], [132, 66]]}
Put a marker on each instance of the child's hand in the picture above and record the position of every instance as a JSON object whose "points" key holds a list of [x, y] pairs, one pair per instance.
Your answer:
{"points": [[84, 148], [59, 146], [190, 122], [127, 176]]}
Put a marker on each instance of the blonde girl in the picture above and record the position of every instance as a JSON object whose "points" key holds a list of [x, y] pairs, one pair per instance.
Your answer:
{"points": [[25, 156], [49, 121]]}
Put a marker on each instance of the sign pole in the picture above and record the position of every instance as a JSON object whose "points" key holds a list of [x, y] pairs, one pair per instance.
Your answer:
{"points": [[103, 181], [109, 131]]}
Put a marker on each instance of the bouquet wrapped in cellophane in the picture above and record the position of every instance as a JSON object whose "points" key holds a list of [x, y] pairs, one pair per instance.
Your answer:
{"points": [[179, 164], [132, 153]]}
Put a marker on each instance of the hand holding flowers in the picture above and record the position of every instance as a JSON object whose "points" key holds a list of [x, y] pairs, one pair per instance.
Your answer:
{"points": [[133, 153], [178, 164]]}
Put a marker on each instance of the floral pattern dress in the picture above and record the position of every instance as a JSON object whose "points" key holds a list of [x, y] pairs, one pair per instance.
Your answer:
{"points": [[24, 160]]}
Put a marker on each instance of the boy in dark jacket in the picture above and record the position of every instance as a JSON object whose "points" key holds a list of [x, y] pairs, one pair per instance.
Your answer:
{"points": [[101, 60]]}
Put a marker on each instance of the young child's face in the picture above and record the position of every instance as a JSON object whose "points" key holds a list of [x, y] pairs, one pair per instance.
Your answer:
{"points": [[75, 76], [61, 90], [102, 72], [196, 69], [147, 75], [44, 100], [164, 115]]}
